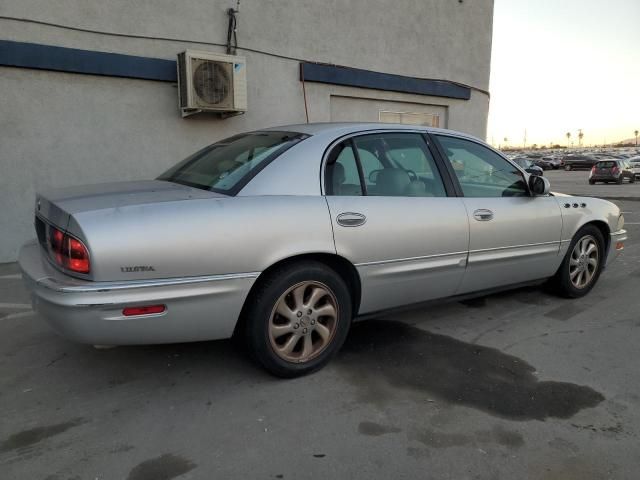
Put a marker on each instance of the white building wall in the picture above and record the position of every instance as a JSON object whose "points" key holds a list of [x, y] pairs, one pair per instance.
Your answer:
{"points": [[60, 129]]}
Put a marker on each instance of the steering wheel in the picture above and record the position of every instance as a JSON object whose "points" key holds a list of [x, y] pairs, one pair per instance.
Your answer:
{"points": [[373, 175], [411, 173]]}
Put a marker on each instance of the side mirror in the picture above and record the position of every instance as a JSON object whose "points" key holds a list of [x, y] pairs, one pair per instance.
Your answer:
{"points": [[539, 186], [534, 171]]}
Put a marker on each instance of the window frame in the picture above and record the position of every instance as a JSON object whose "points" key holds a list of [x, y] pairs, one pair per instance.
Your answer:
{"points": [[440, 163], [452, 173]]}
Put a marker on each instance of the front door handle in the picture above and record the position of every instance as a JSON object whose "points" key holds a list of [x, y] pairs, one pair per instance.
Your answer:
{"points": [[483, 215], [351, 219]]}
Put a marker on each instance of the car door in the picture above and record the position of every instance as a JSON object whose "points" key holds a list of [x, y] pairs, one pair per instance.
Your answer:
{"points": [[513, 237], [394, 220]]}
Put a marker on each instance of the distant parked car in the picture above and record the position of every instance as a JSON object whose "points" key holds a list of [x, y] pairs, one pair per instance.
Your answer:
{"points": [[539, 162], [551, 163], [634, 162], [607, 156], [528, 166], [577, 162], [611, 171]]}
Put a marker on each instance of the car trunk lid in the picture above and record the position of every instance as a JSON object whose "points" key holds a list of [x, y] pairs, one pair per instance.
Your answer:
{"points": [[56, 206]]}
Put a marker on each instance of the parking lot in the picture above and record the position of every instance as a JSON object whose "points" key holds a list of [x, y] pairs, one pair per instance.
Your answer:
{"points": [[518, 385], [575, 182]]}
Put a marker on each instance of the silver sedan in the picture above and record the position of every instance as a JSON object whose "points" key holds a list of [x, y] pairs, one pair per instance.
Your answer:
{"points": [[286, 235]]}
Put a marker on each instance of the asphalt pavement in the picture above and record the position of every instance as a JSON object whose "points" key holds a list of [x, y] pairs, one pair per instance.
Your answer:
{"points": [[518, 385]]}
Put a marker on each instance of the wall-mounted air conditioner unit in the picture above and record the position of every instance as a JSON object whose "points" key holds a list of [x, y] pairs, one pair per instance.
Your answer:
{"points": [[211, 82]]}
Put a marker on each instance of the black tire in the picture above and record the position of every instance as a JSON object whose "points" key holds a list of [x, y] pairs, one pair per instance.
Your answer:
{"points": [[620, 180], [257, 316], [632, 179], [592, 182], [561, 283]]}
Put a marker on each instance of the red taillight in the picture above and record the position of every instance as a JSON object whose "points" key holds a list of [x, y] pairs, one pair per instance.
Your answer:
{"points": [[147, 310], [615, 170], [56, 241], [78, 257], [593, 169], [68, 252]]}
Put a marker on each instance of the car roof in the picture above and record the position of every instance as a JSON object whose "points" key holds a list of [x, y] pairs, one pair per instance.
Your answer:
{"points": [[346, 128]]}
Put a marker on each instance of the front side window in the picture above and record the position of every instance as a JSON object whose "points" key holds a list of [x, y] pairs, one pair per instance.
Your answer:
{"points": [[398, 165], [481, 171], [226, 166]]}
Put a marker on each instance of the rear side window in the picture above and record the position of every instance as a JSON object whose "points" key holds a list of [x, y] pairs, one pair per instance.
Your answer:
{"points": [[226, 166], [398, 165], [342, 173]]}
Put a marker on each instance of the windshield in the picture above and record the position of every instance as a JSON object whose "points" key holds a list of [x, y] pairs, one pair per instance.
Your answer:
{"points": [[227, 166]]}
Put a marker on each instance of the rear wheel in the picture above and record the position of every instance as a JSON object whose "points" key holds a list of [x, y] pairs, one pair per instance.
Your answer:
{"points": [[582, 264], [592, 182], [297, 319]]}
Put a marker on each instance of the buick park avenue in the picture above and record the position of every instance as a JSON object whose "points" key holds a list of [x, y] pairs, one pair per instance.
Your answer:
{"points": [[285, 236]]}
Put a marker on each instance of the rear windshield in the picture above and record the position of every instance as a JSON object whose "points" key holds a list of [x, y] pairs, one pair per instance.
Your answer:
{"points": [[606, 164], [227, 166]]}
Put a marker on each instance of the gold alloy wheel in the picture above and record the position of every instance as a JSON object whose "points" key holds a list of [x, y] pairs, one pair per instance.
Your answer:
{"points": [[584, 262], [303, 322]]}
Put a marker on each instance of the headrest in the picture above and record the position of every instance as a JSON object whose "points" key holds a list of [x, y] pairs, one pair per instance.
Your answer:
{"points": [[337, 174]]}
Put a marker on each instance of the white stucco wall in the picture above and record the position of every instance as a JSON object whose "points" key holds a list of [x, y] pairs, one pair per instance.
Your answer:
{"points": [[59, 129]]}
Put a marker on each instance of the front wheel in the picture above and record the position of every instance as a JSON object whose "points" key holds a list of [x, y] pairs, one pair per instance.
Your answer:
{"points": [[297, 319], [582, 264], [592, 182]]}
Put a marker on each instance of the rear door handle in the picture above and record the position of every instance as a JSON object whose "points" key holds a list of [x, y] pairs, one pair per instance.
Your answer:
{"points": [[483, 215], [351, 219]]}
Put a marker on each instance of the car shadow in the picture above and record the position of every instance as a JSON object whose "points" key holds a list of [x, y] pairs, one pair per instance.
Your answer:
{"points": [[386, 360]]}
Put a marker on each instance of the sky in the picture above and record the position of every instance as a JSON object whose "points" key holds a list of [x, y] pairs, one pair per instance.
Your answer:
{"points": [[563, 65]]}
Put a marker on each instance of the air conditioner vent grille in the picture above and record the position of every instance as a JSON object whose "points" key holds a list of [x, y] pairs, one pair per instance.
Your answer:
{"points": [[212, 82]]}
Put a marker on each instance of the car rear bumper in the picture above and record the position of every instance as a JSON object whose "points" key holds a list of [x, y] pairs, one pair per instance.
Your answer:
{"points": [[197, 308], [604, 178], [616, 245]]}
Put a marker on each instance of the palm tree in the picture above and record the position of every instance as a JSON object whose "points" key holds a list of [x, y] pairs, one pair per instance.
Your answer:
{"points": [[580, 137], [568, 135], [636, 134]]}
